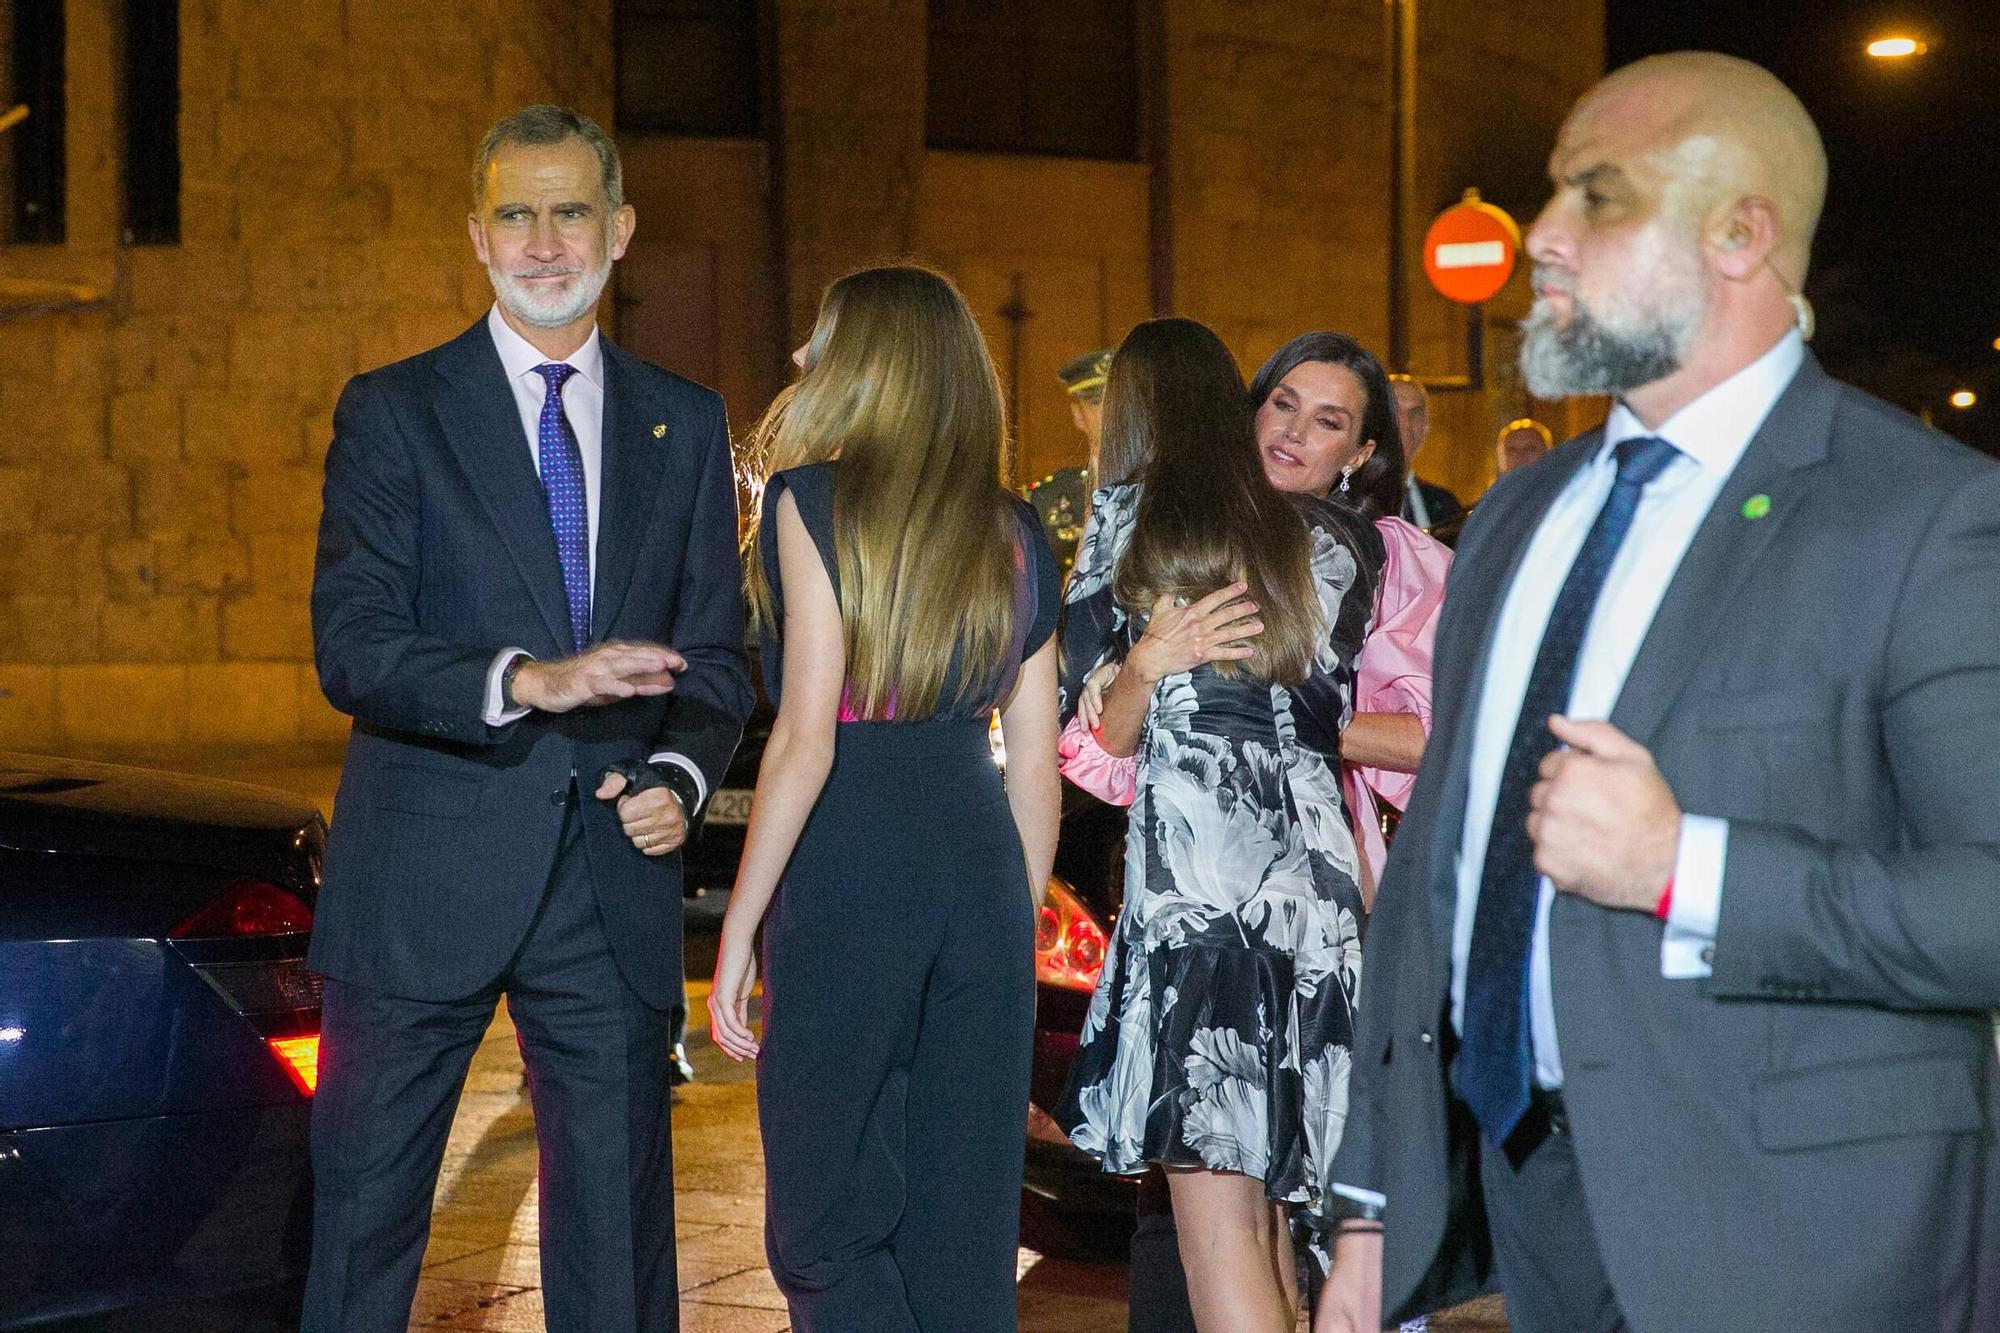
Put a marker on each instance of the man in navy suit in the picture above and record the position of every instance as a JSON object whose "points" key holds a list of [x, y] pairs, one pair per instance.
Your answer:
{"points": [[527, 575]]}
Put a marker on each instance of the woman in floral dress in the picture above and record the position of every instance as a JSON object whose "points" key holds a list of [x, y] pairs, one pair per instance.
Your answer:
{"points": [[1217, 1043]]}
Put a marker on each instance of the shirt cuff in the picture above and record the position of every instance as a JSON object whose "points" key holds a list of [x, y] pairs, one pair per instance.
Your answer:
{"points": [[496, 714], [1687, 949], [692, 769]]}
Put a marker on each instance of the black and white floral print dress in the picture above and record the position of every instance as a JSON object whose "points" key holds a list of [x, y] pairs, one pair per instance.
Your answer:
{"points": [[1221, 1030]]}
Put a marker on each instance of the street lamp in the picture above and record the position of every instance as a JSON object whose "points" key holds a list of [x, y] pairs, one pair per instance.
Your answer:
{"points": [[1963, 399], [1896, 48]]}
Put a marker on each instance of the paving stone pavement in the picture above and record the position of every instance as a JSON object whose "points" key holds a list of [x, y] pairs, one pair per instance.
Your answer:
{"points": [[482, 1269]]}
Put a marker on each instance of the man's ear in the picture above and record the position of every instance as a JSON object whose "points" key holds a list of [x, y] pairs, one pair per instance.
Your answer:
{"points": [[478, 237], [623, 223], [1741, 237]]}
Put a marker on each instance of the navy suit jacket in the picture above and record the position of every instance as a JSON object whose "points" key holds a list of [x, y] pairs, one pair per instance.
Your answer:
{"points": [[436, 552]]}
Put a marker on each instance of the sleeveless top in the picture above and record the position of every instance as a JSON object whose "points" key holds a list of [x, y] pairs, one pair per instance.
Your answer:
{"points": [[1037, 592]]}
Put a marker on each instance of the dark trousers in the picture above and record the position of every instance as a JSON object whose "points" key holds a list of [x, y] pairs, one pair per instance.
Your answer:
{"points": [[892, 1084], [1544, 1245], [391, 1070]]}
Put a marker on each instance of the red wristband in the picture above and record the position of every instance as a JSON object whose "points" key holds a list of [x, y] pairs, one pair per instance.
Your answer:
{"points": [[1666, 903]]}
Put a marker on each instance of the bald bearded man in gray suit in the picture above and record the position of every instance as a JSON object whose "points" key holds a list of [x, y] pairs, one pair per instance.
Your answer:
{"points": [[1675, 1000]]}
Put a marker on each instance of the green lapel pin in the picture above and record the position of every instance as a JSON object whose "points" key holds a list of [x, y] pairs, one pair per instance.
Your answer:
{"points": [[1757, 506]]}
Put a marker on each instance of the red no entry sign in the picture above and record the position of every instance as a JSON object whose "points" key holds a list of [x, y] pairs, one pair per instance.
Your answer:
{"points": [[1470, 250]]}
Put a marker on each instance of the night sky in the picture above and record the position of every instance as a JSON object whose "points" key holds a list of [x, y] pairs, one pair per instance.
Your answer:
{"points": [[1906, 269]]}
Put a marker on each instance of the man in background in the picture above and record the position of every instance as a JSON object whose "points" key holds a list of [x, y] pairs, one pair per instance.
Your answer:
{"points": [[1425, 503], [1083, 382], [1520, 443], [1062, 496]]}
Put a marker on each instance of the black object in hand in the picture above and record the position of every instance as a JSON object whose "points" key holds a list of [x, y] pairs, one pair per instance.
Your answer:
{"points": [[641, 776]]}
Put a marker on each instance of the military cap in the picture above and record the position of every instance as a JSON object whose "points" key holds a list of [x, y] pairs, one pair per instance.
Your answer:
{"points": [[1084, 377]]}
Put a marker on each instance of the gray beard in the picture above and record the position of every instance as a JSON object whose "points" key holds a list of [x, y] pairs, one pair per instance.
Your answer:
{"points": [[521, 301], [1588, 357]]}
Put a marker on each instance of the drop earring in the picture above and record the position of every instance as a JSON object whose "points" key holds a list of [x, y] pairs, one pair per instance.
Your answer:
{"points": [[1345, 473]]}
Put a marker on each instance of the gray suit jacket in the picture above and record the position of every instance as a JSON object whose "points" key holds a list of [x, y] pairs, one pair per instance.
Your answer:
{"points": [[1806, 1139]]}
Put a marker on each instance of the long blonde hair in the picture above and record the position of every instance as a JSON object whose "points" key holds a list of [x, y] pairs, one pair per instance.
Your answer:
{"points": [[899, 387], [1207, 515]]}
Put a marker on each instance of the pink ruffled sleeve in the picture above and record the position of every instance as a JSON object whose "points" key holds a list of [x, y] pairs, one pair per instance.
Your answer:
{"points": [[1393, 672], [1092, 768]]}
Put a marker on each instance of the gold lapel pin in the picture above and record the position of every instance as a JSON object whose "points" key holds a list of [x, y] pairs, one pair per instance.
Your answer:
{"points": [[660, 430]]}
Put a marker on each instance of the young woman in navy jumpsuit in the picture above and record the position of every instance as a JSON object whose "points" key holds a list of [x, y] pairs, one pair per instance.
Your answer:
{"points": [[894, 870]]}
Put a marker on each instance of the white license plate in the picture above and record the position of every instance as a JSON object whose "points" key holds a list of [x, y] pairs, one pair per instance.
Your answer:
{"points": [[730, 806]]}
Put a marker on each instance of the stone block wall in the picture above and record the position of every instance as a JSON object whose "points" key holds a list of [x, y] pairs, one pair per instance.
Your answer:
{"points": [[161, 446], [1060, 246], [1278, 162], [160, 450], [698, 291], [850, 140]]}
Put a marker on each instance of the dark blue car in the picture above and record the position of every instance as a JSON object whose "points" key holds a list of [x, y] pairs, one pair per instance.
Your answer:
{"points": [[159, 1039]]}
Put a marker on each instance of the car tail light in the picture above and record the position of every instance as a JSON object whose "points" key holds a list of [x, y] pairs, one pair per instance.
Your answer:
{"points": [[247, 907], [280, 998], [248, 944], [261, 987], [1069, 943], [300, 1057]]}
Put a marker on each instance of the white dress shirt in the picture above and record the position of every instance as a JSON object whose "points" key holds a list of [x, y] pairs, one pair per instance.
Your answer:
{"points": [[1413, 500], [583, 406], [1711, 434]]}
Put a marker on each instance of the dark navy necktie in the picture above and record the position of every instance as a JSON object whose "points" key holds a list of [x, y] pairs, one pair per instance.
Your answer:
{"points": [[569, 504], [1494, 1058]]}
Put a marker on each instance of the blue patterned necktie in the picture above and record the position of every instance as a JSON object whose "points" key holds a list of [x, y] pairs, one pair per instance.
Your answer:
{"points": [[1494, 1058], [569, 504]]}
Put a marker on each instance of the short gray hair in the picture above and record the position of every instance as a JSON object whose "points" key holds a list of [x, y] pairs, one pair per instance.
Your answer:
{"points": [[1423, 394], [541, 126]]}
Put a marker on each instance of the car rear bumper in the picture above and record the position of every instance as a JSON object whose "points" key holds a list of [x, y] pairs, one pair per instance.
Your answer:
{"points": [[165, 1222]]}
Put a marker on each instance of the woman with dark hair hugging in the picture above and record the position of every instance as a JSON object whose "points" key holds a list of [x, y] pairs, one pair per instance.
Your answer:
{"points": [[1326, 425], [1218, 1041]]}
